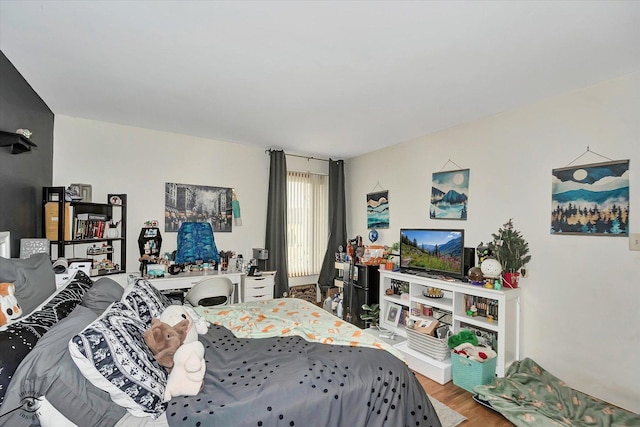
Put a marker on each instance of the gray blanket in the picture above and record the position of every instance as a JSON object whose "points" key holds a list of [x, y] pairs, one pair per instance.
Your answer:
{"points": [[291, 382]]}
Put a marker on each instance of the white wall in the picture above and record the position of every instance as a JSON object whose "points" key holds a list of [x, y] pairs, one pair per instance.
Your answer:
{"points": [[581, 301], [138, 162]]}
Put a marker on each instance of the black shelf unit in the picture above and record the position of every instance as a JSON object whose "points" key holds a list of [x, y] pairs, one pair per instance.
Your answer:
{"points": [[57, 195], [18, 142]]}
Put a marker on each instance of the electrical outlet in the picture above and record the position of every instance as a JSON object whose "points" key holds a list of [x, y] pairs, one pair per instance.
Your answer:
{"points": [[634, 241]]}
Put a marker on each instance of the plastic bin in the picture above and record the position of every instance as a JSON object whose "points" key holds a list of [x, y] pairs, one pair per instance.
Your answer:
{"points": [[468, 373]]}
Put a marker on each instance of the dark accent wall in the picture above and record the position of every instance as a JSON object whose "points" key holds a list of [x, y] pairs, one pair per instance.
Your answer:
{"points": [[22, 176]]}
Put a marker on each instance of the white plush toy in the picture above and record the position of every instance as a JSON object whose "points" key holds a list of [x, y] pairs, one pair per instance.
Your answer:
{"points": [[173, 314], [186, 377]]}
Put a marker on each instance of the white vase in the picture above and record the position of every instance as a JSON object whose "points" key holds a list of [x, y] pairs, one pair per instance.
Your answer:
{"points": [[112, 233]]}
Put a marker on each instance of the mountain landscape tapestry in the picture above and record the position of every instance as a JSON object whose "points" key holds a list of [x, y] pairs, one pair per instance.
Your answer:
{"points": [[449, 194], [591, 199], [378, 210]]}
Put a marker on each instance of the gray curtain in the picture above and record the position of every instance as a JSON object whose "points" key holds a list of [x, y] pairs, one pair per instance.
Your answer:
{"points": [[276, 234], [337, 223]]}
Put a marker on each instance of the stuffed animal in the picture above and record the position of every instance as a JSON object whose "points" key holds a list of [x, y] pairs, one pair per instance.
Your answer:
{"points": [[163, 340], [177, 313], [187, 376], [9, 307]]}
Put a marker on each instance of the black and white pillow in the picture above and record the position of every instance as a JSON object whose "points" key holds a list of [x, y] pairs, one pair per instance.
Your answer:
{"points": [[19, 338], [145, 300], [112, 354]]}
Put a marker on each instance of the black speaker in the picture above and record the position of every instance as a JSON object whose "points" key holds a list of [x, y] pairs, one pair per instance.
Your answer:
{"points": [[469, 259]]}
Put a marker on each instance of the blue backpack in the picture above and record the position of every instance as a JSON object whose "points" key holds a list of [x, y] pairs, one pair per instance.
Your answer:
{"points": [[195, 242]]}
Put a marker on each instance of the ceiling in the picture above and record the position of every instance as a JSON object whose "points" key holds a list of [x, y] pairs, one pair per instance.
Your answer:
{"points": [[321, 78]]}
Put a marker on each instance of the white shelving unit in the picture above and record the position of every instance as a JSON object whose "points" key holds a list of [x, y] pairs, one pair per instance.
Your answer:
{"points": [[506, 325], [341, 273]]}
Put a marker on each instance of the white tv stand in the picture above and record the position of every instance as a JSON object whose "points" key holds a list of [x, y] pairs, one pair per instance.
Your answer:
{"points": [[507, 325]]}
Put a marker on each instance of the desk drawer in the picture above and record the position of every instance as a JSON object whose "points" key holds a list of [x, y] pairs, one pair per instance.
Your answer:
{"points": [[258, 281], [258, 297], [259, 290]]}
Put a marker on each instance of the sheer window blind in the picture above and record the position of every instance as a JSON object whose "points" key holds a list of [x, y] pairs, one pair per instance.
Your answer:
{"points": [[307, 222]]}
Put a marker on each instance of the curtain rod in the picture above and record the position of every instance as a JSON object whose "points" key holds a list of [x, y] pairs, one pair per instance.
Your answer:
{"points": [[302, 157]]}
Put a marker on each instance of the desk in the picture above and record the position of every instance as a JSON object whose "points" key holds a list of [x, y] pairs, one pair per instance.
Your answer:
{"points": [[186, 280]]}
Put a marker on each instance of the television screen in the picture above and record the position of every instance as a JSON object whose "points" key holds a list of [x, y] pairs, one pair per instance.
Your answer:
{"points": [[434, 251]]}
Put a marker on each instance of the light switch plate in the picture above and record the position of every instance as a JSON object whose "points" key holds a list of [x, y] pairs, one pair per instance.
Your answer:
{"points": [[634, 241]]}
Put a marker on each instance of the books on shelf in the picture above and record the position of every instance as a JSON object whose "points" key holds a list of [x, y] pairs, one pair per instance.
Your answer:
{"points": [[89, 229], [77, 227], [481, 306]]}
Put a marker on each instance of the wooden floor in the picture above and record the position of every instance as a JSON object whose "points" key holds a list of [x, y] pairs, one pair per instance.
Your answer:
{"points": [[461, 401]]}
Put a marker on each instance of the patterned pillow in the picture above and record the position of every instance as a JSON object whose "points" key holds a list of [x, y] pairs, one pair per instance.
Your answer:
{"points": [[19, 338], [112, 355], [144, 299]]}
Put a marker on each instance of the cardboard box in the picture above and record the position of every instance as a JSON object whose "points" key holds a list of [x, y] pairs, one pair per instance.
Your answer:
{"points": [[426, 327], [332, 291], [51, 221]]}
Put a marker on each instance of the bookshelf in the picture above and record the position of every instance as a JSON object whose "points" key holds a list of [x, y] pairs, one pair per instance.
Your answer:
{"points": [[82, 229], [498, 315]]}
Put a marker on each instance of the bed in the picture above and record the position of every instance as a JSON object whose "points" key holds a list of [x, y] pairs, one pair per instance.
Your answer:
{"points": [[284, 362]]}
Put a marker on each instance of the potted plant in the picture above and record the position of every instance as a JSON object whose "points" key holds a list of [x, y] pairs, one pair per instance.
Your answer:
{"points": [[371, 314], [512, 251]]}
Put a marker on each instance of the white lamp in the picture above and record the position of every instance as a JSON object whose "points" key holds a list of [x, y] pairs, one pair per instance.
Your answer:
{"points": [[491, 268]]}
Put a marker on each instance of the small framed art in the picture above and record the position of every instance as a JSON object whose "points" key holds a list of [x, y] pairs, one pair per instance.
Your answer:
{"points": [[392, 314]]}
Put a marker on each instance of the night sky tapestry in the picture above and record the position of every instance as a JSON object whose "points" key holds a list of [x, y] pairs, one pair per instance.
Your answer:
{"points": [[591, 199]]}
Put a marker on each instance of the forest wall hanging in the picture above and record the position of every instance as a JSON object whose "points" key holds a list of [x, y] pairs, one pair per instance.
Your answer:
{"points": [[591, 199], [449, 195], [197, 203]]}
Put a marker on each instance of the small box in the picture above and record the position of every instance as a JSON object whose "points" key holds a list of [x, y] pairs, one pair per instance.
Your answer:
{"points": [[259, 253], [426, 326], [80, 264], [332, 291]]}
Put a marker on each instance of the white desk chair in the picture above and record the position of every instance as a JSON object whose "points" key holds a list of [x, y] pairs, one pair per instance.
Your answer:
{"points": [[211, 291]]}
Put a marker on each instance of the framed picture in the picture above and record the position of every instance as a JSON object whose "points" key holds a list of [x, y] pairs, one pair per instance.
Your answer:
{"points": [[197, 203], [83, 191], [392, 315], [449, 195], [591, 199]]}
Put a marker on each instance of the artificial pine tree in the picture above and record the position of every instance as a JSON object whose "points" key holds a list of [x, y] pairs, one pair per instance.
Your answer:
{"points": [[510, 248]]}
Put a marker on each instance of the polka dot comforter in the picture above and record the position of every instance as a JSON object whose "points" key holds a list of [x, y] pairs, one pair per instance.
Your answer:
{"points": [[294, 379]]}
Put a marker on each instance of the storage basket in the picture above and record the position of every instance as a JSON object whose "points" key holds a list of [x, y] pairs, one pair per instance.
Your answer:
{"points": [[468, 373], [431, 346]]}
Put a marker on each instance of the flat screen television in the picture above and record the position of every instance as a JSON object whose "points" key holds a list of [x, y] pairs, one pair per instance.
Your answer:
{"points": [[437, 252]]}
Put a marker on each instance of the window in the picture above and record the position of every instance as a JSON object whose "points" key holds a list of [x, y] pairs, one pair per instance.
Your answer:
{"points": [[307, 222]]}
